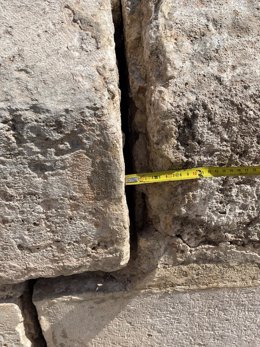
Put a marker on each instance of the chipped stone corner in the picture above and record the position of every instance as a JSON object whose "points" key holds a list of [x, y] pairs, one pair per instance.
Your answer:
{"points": [[18, 321]]}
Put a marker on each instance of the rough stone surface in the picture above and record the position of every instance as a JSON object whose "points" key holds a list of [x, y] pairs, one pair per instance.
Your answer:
{"points": [[13, 291], [62, 203], [153, 266], [12, 333], [194, 80], [214, 318], [194, 74]]}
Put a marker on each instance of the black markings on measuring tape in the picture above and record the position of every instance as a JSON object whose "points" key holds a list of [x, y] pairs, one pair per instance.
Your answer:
{"points": [[200, 173], [155, 177]]}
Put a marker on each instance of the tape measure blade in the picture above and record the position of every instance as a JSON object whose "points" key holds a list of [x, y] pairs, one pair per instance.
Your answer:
{"points": [[190, 174]]}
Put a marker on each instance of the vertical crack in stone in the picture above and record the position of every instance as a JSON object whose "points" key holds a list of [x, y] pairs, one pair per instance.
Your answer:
{"points": [[137, 112], [31, 322], [125, 106]]}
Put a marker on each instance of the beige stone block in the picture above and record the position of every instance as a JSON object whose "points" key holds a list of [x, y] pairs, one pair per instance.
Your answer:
{"points": [[106, 315], [194, 76]]}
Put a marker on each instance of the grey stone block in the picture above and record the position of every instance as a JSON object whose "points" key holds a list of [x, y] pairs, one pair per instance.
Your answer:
{"points": [[62, 202]]}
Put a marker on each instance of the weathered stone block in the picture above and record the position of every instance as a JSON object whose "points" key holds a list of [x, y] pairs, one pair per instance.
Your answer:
{"points": [[72, 317], [12, 322], [12, 333], [194, 75], [62, 203]]}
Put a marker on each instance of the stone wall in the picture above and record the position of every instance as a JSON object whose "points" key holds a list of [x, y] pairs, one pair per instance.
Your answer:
{"points": [[182, 80]]}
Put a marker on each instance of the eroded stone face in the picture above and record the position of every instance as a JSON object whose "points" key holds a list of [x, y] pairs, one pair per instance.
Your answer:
{"points": [[62, 203], [194, 74]]}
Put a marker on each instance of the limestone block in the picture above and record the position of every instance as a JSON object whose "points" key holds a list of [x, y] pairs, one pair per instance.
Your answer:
{"points": [[62, 203], [212, 318], [194, 74], [12, 333]]}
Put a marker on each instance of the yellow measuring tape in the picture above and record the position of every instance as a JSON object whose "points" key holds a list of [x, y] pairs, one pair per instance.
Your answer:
{"points": [[191, 174]]}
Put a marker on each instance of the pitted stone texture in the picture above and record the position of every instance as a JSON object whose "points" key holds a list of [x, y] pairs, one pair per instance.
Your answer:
{"points": [[12, 291], [224, 317], [62, 203], [194, 74], [12, 333]]}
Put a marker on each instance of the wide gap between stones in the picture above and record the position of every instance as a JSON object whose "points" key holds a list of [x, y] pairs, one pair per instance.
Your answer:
{"points": [[32, 325], [125, 115]]}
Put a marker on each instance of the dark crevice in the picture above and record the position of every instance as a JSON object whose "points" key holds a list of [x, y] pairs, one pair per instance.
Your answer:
{"points": [[125, 114], [31, 322]]}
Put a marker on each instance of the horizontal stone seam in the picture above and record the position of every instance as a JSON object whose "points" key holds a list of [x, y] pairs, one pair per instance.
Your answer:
{"points": [[149, 290]]}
